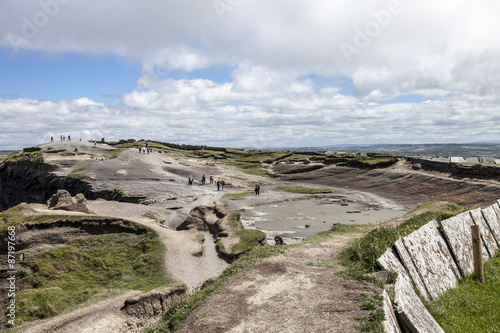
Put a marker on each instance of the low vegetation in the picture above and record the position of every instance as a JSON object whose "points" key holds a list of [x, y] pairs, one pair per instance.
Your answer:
{"points": [[77, 173], [248, 238], [236, 195], [360, 258], [113, 153], [472, 306], [21, 156], [89, 268], [303, 189]]}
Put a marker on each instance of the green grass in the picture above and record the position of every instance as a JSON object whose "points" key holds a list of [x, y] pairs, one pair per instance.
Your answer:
{"points": [[360, 257], [87, 268], [472, 306], [248, 239], [113, 153], [20, 156], [303, 189], [236, 195], [75, 173]]}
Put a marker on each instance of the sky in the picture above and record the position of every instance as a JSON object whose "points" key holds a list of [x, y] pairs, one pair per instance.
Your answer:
{"points": [[250, 73]]}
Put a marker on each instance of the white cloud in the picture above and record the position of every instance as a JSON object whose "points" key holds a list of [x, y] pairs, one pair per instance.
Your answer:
{"points": [[446, 52]]}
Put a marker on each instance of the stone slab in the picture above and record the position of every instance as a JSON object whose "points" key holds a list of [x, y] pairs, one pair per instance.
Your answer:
{"points": [[494, 222], [391, 322], [487, 159], [411, 269], [472, 159], [487, 237], [390, 262], [432, 259], [411, 311], [458, 234], [457, 159]]}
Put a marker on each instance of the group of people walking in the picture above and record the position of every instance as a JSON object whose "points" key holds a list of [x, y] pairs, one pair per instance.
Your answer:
{"points": [[143, 150], [220, 183]]}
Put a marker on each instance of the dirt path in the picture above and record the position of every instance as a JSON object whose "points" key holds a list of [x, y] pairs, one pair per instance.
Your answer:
{"points": [[286, 294]]}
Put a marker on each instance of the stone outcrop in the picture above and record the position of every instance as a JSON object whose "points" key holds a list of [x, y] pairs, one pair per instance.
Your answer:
{"points": [[206, 218], [63, 200], [453, 166], [214, 219]]}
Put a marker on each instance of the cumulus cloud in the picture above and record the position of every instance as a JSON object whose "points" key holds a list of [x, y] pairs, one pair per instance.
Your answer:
{"points": [[443, 52]]}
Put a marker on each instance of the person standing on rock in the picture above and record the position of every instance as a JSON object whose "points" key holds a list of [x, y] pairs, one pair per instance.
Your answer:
{"points": [[257, 189], [222, 184], [190, 180], [51, 139], [211, 179], [218, 185], [203, 180]]}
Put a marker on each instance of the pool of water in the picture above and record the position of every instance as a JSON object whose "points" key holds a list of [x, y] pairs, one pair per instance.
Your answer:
{"points": [[295, 220]]}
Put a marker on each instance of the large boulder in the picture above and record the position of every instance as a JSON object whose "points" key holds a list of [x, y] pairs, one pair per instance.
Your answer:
{"points": [[63, 200], [206, 218]]}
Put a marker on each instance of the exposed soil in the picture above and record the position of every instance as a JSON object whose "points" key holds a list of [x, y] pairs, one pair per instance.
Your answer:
{"points": [[282, 294], [285, 294]]}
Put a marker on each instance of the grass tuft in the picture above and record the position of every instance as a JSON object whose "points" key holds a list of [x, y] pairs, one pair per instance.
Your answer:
{"points": [[303, 189]]}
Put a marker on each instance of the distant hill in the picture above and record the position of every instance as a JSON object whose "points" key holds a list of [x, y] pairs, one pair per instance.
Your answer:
{"points": [[472, 149]]}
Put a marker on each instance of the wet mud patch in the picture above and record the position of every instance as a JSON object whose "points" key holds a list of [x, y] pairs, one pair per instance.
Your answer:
{"points": [[296, 219]]}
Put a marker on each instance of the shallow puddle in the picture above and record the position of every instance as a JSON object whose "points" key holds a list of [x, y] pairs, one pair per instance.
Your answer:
{"points": [[295, 220]]}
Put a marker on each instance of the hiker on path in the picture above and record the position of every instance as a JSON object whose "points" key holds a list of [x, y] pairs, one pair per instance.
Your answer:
{"points": [[190, 180], [218, 185], [222, 184], [257, 189], [211, 179], [203, 180]]}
